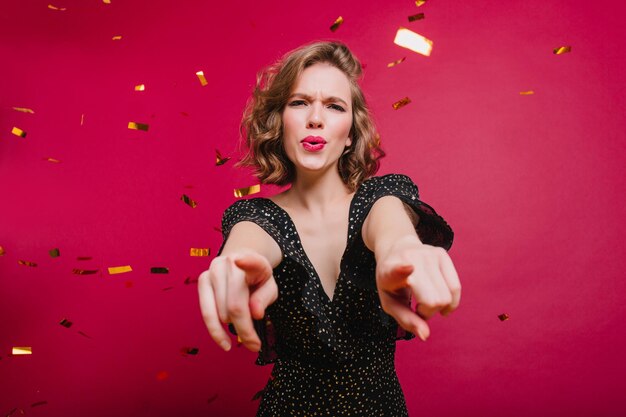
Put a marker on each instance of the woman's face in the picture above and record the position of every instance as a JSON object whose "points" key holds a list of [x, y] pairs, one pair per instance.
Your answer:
{"points": [[317, 118]]}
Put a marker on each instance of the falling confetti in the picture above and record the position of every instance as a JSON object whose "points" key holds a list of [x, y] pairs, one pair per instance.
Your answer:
{"points": [[394, 63], [337, 23], [84, 258], [22, 350], [27, 263], [418, 3], [190, 280], [84, 334], [201, 77], [66, 323], [190, 351], [562, 50], [415, 42], [526, 93], [84, 271], [240, 192], [23, 110], [18, 132], [117, 37], [415, 17], [503, 317], [219, 159], [2, 251], [140, 87], [159, 270], [38, 403], [61, 9], [82, 119], [401, 103], [199, 252], [189, 201], [54, 253], [56, 161], [119, 269], [106, 1], [138, 126]]}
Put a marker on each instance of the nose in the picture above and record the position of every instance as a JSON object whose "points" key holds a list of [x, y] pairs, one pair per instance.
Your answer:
{"points": [[315, 119]]}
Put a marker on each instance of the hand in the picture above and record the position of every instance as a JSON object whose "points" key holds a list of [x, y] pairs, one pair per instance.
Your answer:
{"points": [[236, 288], [410, 267]]}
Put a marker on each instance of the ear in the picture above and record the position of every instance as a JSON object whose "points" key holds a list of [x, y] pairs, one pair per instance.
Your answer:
{"points": [[348, 141]]}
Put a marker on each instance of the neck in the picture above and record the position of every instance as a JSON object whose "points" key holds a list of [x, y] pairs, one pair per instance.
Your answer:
{"points": [[317, 193]]}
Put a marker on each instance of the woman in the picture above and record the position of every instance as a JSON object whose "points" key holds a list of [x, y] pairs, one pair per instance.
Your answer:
{"points": [[319, 278]]}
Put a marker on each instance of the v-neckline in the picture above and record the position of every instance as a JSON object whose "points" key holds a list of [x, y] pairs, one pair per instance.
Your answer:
{"points": [[306, 257]]}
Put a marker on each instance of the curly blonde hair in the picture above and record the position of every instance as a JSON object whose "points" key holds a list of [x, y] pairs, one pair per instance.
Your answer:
{"points": [[262, 125]]}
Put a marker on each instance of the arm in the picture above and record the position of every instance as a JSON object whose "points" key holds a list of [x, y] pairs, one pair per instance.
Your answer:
{"points": [[405, 266], [239, 285]]}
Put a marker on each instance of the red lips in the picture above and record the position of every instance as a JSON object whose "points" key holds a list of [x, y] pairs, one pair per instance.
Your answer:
{"points": [[314, 140]]}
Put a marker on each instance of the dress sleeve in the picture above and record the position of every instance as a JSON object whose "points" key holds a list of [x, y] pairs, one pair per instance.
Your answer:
{"points": [[432, 229], [247, 210]]}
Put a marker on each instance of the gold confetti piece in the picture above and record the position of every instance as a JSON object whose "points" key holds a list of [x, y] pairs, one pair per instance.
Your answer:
{"points": [[415, 17], [55, 253], [61, 9], [190, 351], [106, 1], [38, 403], [23, 110], [199, 252], [201, 77], [337, 23], [84, 271], [22, 350], [84, 334], [401, 103], [27, 263], [117, 37], [189, 201], [190, 280], [415, 42], [2, 251], [56, 161], [18, 132], [159, 270], [161, 376], [84, 258], [394, 63], [418, 3], [526, 93], [119, 269], [138, 126], [66, 323], [503, 317], [562, 50], [140, 87], [219, 159], [240, 192], [82, 119]]}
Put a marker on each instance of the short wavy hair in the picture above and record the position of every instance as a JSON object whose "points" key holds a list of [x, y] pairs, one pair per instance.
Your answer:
{"points": [[262, 125]]}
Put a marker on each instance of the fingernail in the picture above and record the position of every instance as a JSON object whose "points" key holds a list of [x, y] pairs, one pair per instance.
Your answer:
{"points": [[225, 345], [421, 335]]}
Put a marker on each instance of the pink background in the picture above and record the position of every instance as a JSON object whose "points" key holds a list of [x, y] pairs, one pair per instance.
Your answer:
{"points": [[531, 184]]}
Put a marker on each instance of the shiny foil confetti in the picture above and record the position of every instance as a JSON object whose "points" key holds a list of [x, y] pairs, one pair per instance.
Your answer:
{"points": [[189, 201], [415, 42], [401, 103], [77, 271], [138, 126], [22, 350], [503, 317], [82, 119], [52, 7], [241, 192], [56, 161], [202, 78], [106, 1], [394, 63], [526, 93], [54, 253], [415, 17], [219, 159], [66, 323], [18, 132], [562, 50], [418, 3], [117, 37], [2, 251], [199, 252], [140, 87], [38, 403], [190, 351], [159, 270], [119, 269], [190, 280], [84, 258], [337, 23], [23, 110], [27, 263]]}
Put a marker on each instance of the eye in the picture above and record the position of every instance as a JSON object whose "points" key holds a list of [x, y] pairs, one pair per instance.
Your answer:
{"points": [[337, 107], [297, 103]]}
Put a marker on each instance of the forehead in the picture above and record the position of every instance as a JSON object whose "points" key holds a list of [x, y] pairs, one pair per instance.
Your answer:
{"points": [[323, 79]]}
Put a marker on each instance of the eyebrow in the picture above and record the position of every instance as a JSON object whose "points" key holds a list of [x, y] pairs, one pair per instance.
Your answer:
{"points": [[326, 99]]}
